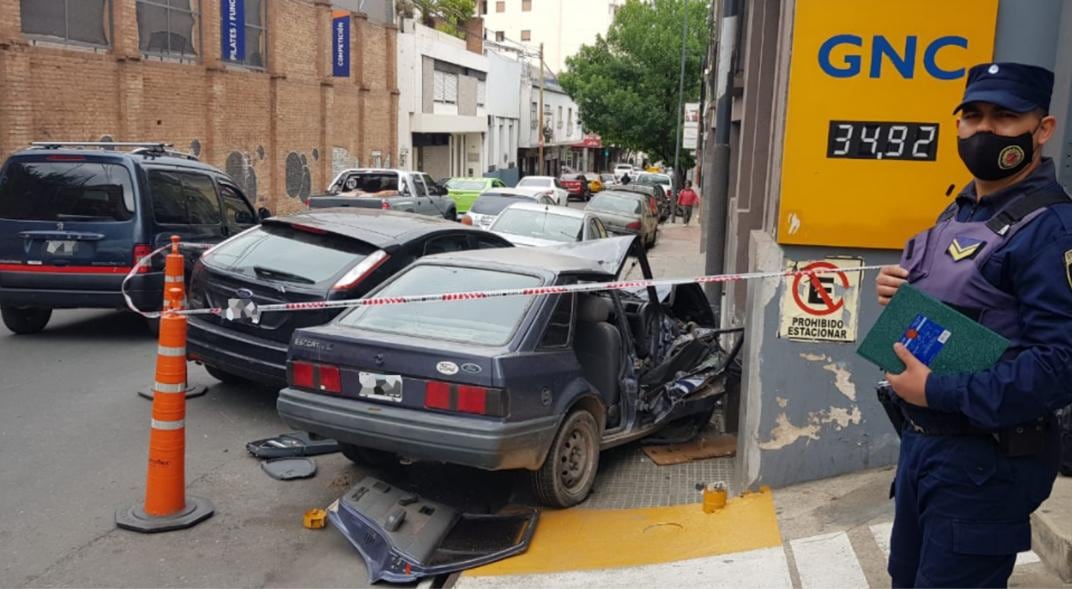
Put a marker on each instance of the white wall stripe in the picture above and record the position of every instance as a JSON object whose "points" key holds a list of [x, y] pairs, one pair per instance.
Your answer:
{"points": [[168, 425], [161, 387], [827, 561], [766, 568]]}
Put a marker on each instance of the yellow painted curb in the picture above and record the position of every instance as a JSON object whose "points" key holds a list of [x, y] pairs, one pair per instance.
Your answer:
{"points": [[585, 539]]}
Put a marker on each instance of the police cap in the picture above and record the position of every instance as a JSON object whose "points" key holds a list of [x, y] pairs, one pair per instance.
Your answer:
{"points": [[1016, 86]]}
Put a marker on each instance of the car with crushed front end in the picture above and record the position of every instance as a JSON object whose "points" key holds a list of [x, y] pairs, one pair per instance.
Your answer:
{"points": [[541, 383], [320, 254]]}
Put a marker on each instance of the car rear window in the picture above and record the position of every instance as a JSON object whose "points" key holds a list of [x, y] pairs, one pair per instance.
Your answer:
{"points": [[66, 191], [534, 182], [466, 185], [484, 321], [370, 182], [281, 253], [615, 204], [493, 204], [539, 224]]}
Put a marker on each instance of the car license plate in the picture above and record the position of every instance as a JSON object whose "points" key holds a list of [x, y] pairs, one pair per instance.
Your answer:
{"points": [[60, 247], [380, 387]]}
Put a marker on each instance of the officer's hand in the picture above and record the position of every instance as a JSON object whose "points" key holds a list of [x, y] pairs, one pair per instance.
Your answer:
{"points": [[889, 279], [910, 385]]}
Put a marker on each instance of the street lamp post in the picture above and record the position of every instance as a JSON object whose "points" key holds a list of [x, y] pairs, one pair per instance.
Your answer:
{"points": [[681, 95]]}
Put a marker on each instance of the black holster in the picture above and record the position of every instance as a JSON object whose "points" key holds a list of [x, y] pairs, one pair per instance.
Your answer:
{"points": [[1025, 439], [886, 397]]}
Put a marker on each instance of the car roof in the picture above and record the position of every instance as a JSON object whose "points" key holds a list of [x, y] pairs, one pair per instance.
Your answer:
{"points": [[518, 192], [624, 192], [600, 258], [473, 178], [537, 178], [381, 228], [552, 209], [101, 155]]}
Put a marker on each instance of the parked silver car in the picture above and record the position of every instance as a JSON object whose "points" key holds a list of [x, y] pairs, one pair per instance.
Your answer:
{"points": [[627, 213]]}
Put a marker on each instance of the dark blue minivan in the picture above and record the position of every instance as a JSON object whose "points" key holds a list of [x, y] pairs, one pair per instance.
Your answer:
{"points": [[74, 218]]}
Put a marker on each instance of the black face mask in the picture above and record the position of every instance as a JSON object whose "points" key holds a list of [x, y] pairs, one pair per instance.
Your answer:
{"points": [[993, 157]]}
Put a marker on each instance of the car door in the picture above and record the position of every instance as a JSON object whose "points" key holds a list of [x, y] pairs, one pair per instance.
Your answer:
{"points": [[185, 203], [437, 204]]}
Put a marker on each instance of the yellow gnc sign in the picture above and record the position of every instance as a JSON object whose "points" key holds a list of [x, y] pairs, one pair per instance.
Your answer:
{"points": [[870, 153]]}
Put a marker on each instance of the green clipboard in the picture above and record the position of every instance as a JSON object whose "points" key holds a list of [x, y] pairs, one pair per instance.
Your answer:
{"points": [[941, 337]]}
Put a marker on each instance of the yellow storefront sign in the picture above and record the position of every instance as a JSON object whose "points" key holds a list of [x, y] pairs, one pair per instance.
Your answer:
{"points": [[870, 152]]}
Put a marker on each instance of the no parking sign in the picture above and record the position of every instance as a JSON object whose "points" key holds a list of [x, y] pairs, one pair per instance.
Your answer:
{"points": [[822, 307]]}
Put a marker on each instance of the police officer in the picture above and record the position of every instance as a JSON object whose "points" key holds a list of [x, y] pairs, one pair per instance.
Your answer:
{"points": [[979, 451]]}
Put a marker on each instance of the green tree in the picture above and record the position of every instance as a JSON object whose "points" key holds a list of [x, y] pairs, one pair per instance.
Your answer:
{"points": [[448, 16], [626, 84]]}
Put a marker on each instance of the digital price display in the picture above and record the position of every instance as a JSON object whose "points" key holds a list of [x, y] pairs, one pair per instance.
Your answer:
{"points": [[882, 141]]}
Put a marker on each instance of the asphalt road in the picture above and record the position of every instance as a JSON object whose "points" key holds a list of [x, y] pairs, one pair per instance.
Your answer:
{"points": [[73, 444]]}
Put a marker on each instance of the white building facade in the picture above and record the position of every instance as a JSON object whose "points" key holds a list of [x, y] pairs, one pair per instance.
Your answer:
{"points": [[562, 26], [561, 129], [443, 115], [503, 106]]}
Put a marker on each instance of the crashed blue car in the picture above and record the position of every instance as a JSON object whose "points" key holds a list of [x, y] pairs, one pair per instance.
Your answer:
{"points": [[541, 383]]}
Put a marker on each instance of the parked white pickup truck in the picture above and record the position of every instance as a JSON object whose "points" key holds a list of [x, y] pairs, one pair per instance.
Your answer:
{"points": [[397, 190]]}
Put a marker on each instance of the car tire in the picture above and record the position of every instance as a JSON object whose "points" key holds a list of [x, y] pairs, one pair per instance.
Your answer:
{"points": [[26, 320], [568, 473], [224, 376], [367, 456]]}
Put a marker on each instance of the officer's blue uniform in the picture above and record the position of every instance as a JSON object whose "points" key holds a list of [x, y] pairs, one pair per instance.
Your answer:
{"points": [[962, 504]]}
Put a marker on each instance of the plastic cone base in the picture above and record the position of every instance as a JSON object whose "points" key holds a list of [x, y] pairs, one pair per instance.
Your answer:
{"points": [[191, 391], [196, 511]]}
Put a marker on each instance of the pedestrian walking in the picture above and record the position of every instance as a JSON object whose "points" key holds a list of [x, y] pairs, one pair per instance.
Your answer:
{"points": [[686, 199], [979, 452]]}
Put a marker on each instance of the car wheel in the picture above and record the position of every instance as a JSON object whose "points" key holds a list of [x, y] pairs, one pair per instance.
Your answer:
{"points": [[567, 475], [224, 376], [367, 456], [153, 325], [26, 320]]}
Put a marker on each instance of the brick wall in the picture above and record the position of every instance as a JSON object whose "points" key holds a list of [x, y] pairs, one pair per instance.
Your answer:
{"points": [[279, 132]]}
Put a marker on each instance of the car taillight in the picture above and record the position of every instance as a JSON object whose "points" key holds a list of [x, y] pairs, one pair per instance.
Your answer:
{"points": [[465, 399], [140, 251], [466, 219], [437, 395], [633, 225], [301, 374], [362, 270], [323, 377], [473, 400], [385, 204], [330, 379], [308, 229]]}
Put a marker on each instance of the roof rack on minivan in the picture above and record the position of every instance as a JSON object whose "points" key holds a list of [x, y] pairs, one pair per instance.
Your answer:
{"points": [[143, 148]]}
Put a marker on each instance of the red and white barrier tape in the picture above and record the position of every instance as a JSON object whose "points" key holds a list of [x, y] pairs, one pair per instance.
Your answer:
{"points": [[144, 262], [247, 309]]}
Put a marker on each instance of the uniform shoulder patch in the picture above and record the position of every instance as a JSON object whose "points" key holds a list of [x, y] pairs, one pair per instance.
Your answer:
{"points": [[1068, 267]]}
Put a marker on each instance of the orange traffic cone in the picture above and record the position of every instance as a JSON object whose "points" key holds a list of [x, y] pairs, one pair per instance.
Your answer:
{"points": [[174, 273], [166, 505]]}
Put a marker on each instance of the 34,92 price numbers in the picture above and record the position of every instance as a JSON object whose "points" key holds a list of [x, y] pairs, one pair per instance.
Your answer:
{"points": [[882, 141]]}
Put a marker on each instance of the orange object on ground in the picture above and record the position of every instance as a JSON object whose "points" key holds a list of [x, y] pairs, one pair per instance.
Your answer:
{"points": [[166, 505]]}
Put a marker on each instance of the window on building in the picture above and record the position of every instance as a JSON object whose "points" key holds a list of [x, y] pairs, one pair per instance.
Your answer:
{"points": [[168, 27], [500, 36], [547, 116], [446, 87], [500, 6], [526, 35], [526, 5], [569, 122], [481, 92], [483, 7], [534, 115], [81, 22], [559, 117], [256, 34]]}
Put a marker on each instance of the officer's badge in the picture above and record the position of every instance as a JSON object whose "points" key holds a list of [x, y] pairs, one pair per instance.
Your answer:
{"points": [[1068, 267], [1010, 157], [965, 248]]}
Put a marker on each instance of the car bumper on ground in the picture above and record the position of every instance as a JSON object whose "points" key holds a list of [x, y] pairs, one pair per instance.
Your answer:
{"points": [[250, 357], [420, 435]]}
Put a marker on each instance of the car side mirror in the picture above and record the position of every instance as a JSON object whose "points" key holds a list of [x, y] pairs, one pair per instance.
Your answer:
{"points": [[263, 213]]}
